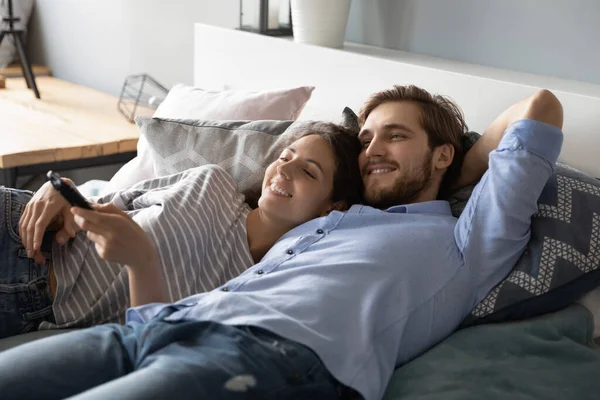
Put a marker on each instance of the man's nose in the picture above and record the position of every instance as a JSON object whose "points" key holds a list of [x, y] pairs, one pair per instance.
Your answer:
{"points": [[375, 148]]}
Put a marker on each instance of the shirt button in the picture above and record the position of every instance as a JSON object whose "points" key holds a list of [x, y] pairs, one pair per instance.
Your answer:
{"points": [[290, 251], [260, 272], [320, 231], [225, 289]]}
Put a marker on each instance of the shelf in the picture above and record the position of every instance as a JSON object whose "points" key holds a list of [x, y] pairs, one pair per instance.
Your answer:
{"points": [[462, 68]]}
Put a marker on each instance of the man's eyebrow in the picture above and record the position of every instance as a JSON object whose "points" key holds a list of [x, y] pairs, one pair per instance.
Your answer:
{"points": [[397, 126], [310, 160], [363, 133], [387, 127]]}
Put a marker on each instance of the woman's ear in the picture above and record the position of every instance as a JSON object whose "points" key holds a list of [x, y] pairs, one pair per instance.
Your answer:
{"points": [[337, 206], [443, 156]]}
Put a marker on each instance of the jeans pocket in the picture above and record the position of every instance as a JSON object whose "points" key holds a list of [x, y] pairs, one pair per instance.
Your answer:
{"points": [[15, 201]]}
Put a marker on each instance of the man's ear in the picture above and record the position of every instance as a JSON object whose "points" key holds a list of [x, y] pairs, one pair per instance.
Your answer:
{"points": [[337, 206], [443, 156]]}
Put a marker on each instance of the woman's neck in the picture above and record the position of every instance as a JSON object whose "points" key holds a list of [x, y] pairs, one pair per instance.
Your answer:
{"points": [[262, 233]]}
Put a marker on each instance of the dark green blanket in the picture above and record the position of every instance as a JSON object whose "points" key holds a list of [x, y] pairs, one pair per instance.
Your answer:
{"points": [[549, 357]]}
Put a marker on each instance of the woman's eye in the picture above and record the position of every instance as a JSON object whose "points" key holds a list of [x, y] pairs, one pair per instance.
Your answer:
{"points": [[283, 158], [309, 174], [365, 144]]}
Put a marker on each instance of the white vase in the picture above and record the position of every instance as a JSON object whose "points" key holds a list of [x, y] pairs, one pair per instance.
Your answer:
{"points": [[320, 22]]}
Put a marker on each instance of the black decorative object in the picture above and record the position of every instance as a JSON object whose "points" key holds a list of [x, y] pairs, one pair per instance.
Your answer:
{"points": [[267, 17], [19, 40], [140, 91]]}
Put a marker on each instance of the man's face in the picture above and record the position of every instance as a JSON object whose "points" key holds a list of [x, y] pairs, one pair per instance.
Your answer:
{"points": [[396, 160]]}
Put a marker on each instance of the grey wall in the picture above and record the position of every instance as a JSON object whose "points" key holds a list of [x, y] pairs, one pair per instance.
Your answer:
{"points": [[550, 37], [98, 43]]}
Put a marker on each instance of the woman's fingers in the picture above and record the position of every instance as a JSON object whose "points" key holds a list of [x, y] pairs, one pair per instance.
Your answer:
{"points": [[39, 258], [100, 244], [40, 227], [108, 208], [69, 229], [96, 238], [36, 210], [23, 223], [97, 222], [92, 225]]}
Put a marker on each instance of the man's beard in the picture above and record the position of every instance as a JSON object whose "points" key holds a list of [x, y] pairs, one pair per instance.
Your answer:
{"points": [[404, 190]]}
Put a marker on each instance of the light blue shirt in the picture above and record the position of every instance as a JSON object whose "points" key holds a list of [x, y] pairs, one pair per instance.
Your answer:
{"points": [[369, 290]]}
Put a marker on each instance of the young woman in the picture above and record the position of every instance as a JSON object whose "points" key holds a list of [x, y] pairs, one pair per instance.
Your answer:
{"points": [[191, 232]]}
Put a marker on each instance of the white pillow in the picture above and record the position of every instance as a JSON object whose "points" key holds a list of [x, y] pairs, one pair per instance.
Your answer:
{"points": [[188, 102], [136, 170]]}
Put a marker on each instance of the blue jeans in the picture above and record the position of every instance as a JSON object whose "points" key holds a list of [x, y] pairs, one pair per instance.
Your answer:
{"points": [[165, 360], [25, 298]]}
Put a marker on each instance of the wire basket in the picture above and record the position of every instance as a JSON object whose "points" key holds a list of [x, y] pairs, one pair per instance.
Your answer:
{"points": [[141, 95]]}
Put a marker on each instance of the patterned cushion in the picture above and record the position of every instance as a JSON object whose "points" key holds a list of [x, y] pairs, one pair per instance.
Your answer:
{"points": [[562, 259], [242, 148]]}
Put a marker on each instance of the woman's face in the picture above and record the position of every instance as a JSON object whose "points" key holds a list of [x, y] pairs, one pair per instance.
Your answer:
{"points": [[298, 186]]}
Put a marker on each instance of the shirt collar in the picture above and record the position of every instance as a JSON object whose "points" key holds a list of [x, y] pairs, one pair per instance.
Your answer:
{"points": [[426, 207]]}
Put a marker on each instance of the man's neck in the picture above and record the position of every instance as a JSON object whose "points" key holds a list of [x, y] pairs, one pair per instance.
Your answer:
{"points": [[430, 193]]}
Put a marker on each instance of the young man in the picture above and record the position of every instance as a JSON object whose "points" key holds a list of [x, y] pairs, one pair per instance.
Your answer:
{"points": [[343, 299]]}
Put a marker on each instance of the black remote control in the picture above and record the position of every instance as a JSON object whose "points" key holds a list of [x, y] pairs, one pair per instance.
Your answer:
{"points": [[67, 191]]}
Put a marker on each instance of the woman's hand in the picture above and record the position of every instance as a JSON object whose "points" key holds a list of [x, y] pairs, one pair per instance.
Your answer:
{"points": [[46, 209], [118, 238]]}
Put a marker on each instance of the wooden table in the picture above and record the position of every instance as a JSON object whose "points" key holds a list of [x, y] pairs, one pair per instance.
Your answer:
{"points": [[70, 127]]}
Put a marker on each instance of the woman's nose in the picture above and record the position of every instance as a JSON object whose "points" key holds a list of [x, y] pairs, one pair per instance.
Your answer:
{"points": [[284, 170]]}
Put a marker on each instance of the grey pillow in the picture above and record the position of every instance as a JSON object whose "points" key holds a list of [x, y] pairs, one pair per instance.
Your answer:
{"points": [[242, 148], [562, 259]]}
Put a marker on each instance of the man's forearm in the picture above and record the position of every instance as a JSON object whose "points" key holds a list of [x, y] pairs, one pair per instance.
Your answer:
{"points": [[542, 106]]}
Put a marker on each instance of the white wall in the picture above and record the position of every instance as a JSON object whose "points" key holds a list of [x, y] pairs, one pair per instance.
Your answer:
{"points": [[548, 37], [99, 43]]}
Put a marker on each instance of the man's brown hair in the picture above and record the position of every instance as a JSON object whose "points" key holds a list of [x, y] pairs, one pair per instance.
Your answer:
{"points": [[440, 117]]}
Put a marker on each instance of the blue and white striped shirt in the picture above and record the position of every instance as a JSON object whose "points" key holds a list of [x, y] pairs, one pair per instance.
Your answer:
{"points": [[196, 219], [369, 290]]}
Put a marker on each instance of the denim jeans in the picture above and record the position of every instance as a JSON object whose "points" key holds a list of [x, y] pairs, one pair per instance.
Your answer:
{"points": [[165, 360], [25, 298]]}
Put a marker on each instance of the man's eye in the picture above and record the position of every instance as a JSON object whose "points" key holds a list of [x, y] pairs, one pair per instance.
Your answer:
{"points": [[365, 144], [283, 158], [309, 174], [398, 136]]}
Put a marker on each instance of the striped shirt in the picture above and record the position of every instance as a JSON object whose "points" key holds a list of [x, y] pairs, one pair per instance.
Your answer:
{"points": [[197, 222]]}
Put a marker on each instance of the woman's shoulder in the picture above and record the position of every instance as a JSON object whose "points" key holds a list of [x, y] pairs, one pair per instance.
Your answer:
{"points": [[210, 172], [214, 178]]}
